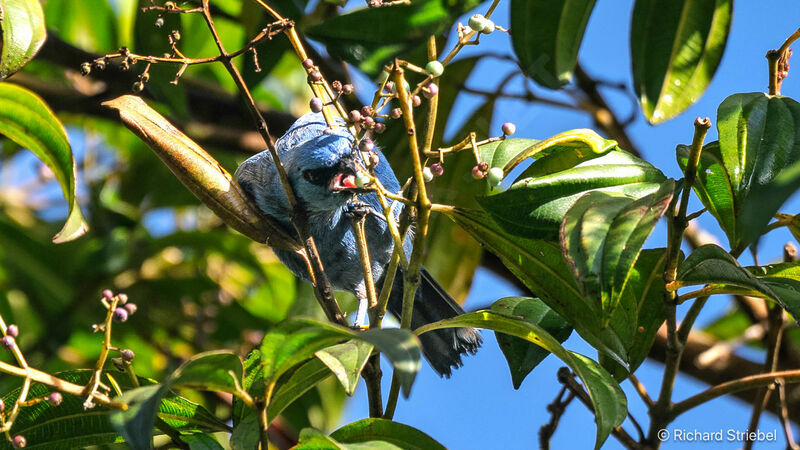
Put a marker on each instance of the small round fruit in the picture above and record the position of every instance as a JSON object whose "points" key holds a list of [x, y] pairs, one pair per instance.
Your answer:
{"points": [[336, 85], [308, 63], [396, 113], [355, 115], [430, 90], [315, 104], [55, 398], [483, 166], [416, 101], [159, 22], [127, 355], [366, 145], [19, 441], [437, 169], [427, 174], [86, 68], [362, 179], [122, 298], [2, 405], [8, 342], [138, 86], [367, 110], [12, 331], [488, 27], [374, 159], [509, 128], [477, 22], [380, 127], [434, 68], [369, 122], [389, 86], [100, 64], [314, 76], [131, 308], [120, 314], [495, 176], [347, 89], [477, 173]]}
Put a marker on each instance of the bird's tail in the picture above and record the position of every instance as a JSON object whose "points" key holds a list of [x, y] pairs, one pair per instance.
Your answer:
{"points": [[442, 348]]}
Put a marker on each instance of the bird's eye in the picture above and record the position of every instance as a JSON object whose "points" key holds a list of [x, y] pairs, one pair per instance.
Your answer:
{"points": [[315, 176]]}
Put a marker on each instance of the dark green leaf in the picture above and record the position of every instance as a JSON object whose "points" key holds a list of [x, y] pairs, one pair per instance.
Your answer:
{"points": [[610, 404], [784, 280], [521, 355], [346, 362], [22, 34], [602, 235], [26, 120], [535, 205], [540, 266], [88, 24], [135, 424], [547, 36], [676, 47], [759, 140], [311, 439], [403, 28], [201, 442], [403, 436]]}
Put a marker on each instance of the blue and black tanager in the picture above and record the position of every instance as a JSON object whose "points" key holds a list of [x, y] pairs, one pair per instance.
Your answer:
{"points": [[321, 164]]}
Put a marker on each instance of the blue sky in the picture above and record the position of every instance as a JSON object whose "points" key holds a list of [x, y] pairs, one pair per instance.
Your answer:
{"points": [[477, 407]]}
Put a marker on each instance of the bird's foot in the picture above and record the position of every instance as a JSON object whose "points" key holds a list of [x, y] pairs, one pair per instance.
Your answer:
{"points": [[356, 209], [361, 315]]}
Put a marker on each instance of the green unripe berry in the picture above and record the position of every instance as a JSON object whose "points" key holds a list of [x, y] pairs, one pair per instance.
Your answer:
{"points": [[427, 174], [362, 179], [477, 22], [434, 68], [495, 176], [488, 27]]}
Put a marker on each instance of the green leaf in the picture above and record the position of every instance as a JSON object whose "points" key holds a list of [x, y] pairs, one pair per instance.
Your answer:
{"points": [[547, 36], [610, 404], [521, 355], [69, 425], [602, 236], [676, 47], [88, 24], [201, 442], [403, 436], [217, 370], [535, 204], [291, 343], [346, 362], [760, 144], [712, 265], [26, 120], [311, 439], [22, 34], [540, 266], [403, 28]]}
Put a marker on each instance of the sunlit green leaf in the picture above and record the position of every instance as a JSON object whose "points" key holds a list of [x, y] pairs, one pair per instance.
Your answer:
{"points": [[26, 120], [88, 24], [22, 34], [373, 429], [523, 356], [676, 47], [346, 362], [610, 404], [547, 35]]}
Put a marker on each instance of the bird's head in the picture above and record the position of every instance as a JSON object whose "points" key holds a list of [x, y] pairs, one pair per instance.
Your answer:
{"points": [[323, 168]]}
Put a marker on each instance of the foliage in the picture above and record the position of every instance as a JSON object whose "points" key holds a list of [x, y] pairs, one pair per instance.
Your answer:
{"points": [[224, 332]]}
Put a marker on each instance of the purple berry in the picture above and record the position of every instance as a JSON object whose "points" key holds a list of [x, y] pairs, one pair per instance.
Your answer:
{"points": [[8, 342], [366, 145], [396, 113], [122, 298], [2, 405], [380, 127], [308, 64], [369, 122], [127, 355], [314, 76], [107, 294], [366, 110], [55, 398], [19, 441], [389, 86], [12, 331], [355, 116], [131, 308], [437, 169], [347, 89], [430, 90], [336, 85], [416, 101], [315, 104], [483, 166], [477, 173], [509, 128], [120, 314]]}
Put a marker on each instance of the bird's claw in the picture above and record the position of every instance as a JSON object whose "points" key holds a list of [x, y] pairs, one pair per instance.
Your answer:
{"points": [[356, 209]]}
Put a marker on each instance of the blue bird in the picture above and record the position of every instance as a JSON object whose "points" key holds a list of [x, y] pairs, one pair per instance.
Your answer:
{"points": [[321, 164]]}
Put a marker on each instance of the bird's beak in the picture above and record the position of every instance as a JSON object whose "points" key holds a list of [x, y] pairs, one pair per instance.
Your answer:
{"points": [[345, 179]]}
